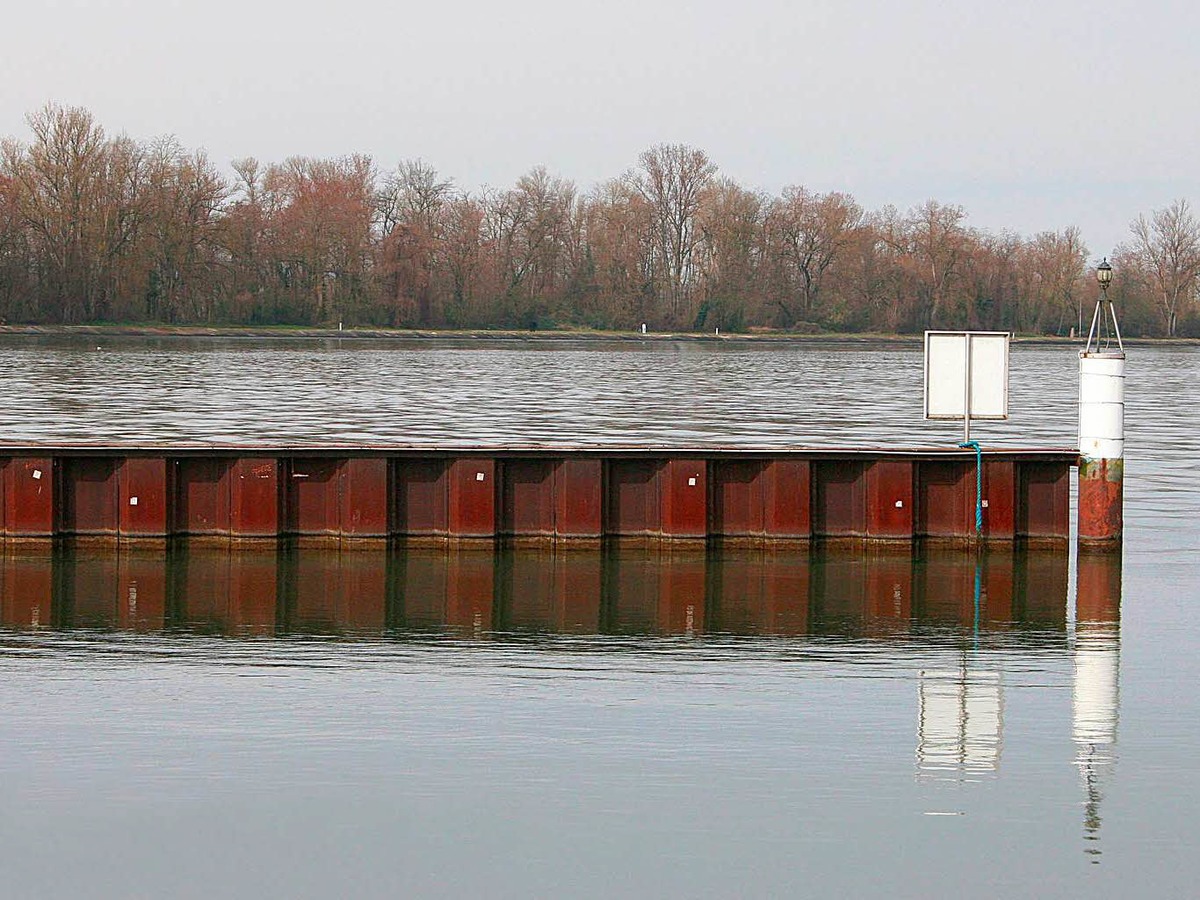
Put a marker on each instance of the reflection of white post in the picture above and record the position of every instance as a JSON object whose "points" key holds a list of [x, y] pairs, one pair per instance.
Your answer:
{"points": [[1096, 688], [1095, 705]]}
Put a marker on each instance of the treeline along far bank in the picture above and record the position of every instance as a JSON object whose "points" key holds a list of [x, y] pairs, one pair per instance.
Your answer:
{"points": [[96, 228]]}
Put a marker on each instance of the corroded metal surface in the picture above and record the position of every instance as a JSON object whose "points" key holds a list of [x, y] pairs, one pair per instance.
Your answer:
{"points": [[544, 493], [1101, 500]]}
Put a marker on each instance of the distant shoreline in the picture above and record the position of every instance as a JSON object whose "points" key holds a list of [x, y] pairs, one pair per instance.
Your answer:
{"points": [[497, 335]]}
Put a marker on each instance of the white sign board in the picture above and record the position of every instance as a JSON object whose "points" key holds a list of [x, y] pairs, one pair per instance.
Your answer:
{"points": [[966, 374]]}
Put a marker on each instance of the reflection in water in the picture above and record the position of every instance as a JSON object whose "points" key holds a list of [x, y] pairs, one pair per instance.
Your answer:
{"points": [[1096, 687], [936, 599], [631, 589], [960, 722]]}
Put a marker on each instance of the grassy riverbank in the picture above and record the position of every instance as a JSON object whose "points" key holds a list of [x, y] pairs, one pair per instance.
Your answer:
{"points": [[399, 334]]}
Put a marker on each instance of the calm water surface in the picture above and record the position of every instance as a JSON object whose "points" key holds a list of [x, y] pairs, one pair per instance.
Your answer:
{"points": [[203, 721]]}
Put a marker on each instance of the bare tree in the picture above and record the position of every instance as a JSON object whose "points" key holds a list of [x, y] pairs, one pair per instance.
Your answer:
{"points": [[1052, 274], [184, 197], [731, 251], [413, 195], [1169, 247], [809, 232], [672, 181], [58, 179], [936, 247], [618, 231]]}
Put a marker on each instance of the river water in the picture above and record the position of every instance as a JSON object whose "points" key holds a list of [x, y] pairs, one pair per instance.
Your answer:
{"points": [[424, 721]]}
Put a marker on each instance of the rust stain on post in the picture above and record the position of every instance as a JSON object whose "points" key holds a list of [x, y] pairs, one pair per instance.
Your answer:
{"points": [[1101, 500]]}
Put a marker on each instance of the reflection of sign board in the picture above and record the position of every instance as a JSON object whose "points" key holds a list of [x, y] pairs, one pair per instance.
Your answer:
{"points": [[966, 364], [960, 722]]}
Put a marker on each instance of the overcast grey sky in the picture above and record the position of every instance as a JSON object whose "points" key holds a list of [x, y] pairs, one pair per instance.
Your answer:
{"points": [[1033, 114]]}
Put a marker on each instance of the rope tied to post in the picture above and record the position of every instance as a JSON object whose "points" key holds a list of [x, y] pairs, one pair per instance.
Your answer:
{"points": [[969, 445]]}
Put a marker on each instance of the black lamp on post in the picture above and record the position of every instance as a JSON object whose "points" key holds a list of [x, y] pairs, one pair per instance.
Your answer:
{"points": [[1104, 310]]}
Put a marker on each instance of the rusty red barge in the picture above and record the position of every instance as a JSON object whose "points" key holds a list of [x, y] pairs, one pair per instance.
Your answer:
{"points": [[558, 493]]}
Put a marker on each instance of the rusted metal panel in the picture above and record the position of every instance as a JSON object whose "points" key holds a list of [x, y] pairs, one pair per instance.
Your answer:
{"points": [[1044, 498], [528, 497], [142, 500], [470, 588], [312, 503], [839, 492], [422, 497], [738, 506], [141, 589], [550, 451], [889, 499], [626, 491], [946, 500], [90, 495], [579, 498], [1000, 495], [1101, 500], [27, 586], [684, 498], [787, 495], [254, 495], [202, 496], [682, 581], [633, 497], [472, 484], [365, 494]]}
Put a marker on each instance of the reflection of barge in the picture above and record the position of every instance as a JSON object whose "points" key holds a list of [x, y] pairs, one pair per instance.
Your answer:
{"points": [[568, 493], [621, 588]]}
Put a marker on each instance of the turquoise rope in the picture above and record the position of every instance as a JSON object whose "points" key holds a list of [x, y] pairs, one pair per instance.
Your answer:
{"points": [[978, 483]]}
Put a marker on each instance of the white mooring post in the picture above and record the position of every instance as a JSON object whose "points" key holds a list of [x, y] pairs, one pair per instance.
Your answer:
{"points": [[1102, 424]]}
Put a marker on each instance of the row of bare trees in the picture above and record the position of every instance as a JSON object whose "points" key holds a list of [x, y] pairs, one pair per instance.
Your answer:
{"points": [[98, 228]]}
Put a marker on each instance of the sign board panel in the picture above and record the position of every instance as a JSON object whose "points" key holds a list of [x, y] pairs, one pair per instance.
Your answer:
{"points": [[966, 364]]}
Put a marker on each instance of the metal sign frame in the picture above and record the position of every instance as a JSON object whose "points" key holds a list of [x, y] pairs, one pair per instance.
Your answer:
{"points": [[968, 374]]}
